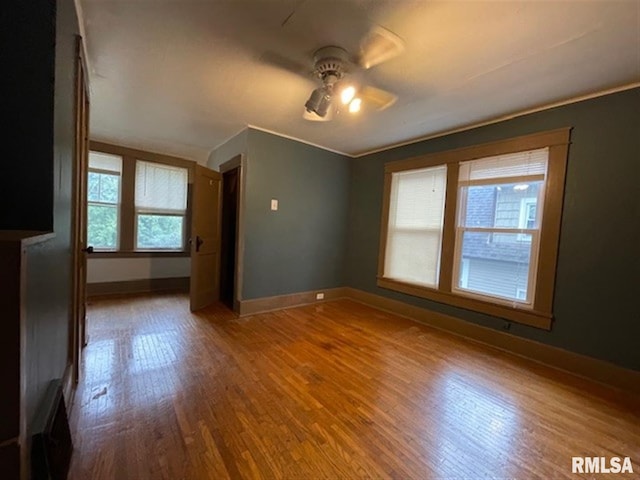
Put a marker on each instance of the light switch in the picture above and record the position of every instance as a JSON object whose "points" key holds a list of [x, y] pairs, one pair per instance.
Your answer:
{"points": [[274, 204]]}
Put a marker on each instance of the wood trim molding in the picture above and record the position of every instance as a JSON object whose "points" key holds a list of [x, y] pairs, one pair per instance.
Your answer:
{"points": [[384, 223], [239, 260], [269, 304], [127, 205], [235, 162], [574, 363], [527, 317], [448, 229], [547, 138], [180, 284], [142, 155]]}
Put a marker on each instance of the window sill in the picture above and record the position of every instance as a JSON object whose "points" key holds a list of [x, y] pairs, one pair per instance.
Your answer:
{"points": [[532, 318], [141, 254]]}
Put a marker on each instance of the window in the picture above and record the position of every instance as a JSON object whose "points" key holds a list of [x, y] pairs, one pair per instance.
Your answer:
{"points": [[478, 227], [494, 233], [137, 202], [103, 200], [161, 206]]}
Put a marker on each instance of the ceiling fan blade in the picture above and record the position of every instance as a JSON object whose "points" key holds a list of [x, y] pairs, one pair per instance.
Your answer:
{"points": [[279, 61], [379, 46], [317, 118], [376, 97]]}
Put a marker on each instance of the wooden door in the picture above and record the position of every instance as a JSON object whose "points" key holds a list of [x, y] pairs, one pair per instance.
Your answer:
{"points": [[205, 238], [78, 334]]}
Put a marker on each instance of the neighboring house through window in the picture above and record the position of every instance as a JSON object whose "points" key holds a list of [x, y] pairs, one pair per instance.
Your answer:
{"points": [[497, 198], [470, 227]]}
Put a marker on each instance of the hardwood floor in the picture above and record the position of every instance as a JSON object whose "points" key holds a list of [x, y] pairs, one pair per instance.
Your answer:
{"points": [[334, 390]]}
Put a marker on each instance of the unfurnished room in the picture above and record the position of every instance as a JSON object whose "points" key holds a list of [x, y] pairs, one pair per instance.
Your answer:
{"points": [[320, 239]]}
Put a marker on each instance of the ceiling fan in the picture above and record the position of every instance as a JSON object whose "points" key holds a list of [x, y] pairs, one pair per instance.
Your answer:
{"points": [[341, 88]]}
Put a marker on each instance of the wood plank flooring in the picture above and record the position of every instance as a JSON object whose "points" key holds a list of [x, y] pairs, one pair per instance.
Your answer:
{"points": [[330, 391]]}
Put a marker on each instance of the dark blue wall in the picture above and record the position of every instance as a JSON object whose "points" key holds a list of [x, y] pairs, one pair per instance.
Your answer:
{"points": [[597, 286], [301, 246]]}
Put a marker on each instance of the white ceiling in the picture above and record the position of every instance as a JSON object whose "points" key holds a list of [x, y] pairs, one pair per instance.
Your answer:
{"points": [[183, 76]]}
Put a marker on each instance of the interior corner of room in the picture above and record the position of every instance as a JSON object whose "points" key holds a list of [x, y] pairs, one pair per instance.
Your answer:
{"points": [[299, 215]]}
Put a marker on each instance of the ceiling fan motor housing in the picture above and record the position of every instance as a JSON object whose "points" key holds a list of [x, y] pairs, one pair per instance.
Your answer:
{"points": [[330, 64]]}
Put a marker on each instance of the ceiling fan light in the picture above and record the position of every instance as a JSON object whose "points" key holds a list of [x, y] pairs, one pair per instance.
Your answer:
{"points": [[314, 100], [355, 105], [347, 94], [319, 101], [323, 106]]}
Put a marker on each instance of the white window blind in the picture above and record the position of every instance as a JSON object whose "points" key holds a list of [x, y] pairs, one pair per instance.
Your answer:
{"points": [[414, 233], [160, 188], [105, 162], [512, 165]]}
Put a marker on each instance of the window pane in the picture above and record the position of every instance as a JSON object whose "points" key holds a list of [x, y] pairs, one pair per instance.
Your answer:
{"points": [[160, 231], [93, 187], [102, 226], [498, 269], [103, 187], [416, 213], [510, 205]]}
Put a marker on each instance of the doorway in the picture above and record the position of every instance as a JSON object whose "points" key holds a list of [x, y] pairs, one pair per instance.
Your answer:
{"points": [[229, 236]]}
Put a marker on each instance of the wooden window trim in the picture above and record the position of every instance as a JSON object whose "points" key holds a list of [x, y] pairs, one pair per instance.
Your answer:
{"points": [[127, 200], [540, 313]]}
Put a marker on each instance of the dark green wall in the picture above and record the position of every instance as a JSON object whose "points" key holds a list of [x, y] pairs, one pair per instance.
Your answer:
{"points": [[301, 246], [597, 287], [38, 176]]}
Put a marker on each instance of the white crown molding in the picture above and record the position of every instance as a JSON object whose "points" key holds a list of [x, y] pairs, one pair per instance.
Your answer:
{"points": [[289, 137], [501, 118]]}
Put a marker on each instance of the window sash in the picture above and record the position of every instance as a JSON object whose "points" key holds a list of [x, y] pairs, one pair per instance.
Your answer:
{"points": [[522, 233], [100, 203]]}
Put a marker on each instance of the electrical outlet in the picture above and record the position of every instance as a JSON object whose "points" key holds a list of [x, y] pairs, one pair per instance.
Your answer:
{"points": [[319, 296], [274, 204]]}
